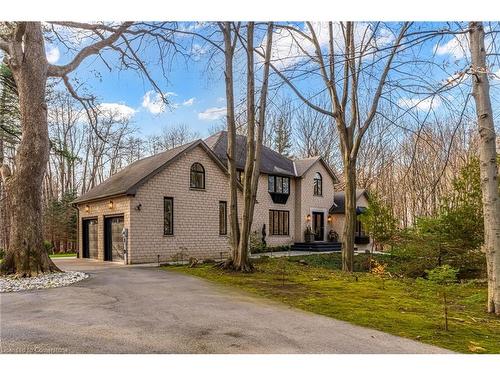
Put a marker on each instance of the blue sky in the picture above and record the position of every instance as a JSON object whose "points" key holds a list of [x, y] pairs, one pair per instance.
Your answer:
{"points": [[191, 94], [198, 98]]}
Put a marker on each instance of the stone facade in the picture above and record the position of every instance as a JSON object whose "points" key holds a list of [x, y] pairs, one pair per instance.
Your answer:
{"points": [[309, 203], [196, 211], [100, 210], [261, 213], [339, 219]]}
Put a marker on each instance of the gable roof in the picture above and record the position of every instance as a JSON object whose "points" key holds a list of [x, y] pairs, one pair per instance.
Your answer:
{"points": [[303, 165], [338, 206], [271, 161], [130, 178]]}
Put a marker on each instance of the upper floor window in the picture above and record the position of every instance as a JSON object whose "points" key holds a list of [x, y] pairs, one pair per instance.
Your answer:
{"points": [[197, 180], [318, 184], [278, 184], [279, 188]]}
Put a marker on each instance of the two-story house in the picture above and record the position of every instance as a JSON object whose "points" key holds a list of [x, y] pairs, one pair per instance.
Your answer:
{"points": [[177, 202]]}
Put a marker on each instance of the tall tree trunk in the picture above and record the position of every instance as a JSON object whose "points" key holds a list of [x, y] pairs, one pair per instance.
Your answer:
{"points": [[350, 215], [4, 226], [231, 141], [488, 163], [26, 254], [241, 261], [240, 235]]}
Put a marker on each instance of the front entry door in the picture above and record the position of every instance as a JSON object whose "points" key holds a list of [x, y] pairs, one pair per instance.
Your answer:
{"points": [[113, 239], [318, 226]]}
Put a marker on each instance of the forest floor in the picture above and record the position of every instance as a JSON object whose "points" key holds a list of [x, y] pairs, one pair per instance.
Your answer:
{"points": [[405, 307]]}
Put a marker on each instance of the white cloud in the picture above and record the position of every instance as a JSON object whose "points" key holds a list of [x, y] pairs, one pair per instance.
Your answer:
{"points": [[121, 111], [52, 54], [221, 99], [420, 104], [188, 102], [385, 37], [154, 103], [291, 47], [192, 26], [212, 113], [198, 51], [456, 47]]}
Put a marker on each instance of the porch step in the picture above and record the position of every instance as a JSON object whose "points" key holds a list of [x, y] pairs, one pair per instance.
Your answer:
{"points": [[316, 246]]}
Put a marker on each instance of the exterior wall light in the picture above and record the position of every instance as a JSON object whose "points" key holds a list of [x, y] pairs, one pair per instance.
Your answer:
{"points": [[110, 205], [308, 217], [87, 208], [329, 218], [138, 207]]}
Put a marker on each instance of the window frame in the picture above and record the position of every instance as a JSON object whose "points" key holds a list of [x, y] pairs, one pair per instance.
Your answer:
{"points": [[171, 231], [360, 232], [196, 172], [274, 179], [318, 185], [279, 222], [223, 228]]}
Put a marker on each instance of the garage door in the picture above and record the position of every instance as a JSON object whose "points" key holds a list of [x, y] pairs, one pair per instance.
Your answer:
{"points": [[89, 239], [113, 239]]}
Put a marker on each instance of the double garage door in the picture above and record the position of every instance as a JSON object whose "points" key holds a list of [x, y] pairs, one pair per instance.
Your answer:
{"points": [[113, 239]]}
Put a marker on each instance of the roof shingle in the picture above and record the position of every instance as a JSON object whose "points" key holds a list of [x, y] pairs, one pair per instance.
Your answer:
{"points": [[271, 161], [129, 178]]}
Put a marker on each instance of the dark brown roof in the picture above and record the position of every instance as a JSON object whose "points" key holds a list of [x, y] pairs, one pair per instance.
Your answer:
{"points": [[271, 161], [339, 201], [128, 180], [303, 165]]}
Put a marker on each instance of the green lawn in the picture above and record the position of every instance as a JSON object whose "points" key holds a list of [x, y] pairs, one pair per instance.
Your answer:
{"points": [[63, 255], [404, 307]]}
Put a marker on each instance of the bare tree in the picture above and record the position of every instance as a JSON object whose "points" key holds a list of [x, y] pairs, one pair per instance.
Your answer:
{"points": [[9, 136], [176, 135], [488, 163], [24, 46], [280, 129], [343, 69], [255, 122], [316, 135]]}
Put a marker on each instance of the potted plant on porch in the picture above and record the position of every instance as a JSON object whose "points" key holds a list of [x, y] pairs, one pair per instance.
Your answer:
{"points": [[309, 234]]}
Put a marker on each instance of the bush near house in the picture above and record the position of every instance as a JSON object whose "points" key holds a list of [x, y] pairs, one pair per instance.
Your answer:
{"points": [[258, 245], [269, 249], [452, 237], [402, 262]]}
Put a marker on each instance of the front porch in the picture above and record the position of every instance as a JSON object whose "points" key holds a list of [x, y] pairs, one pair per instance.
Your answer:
{"points": [[317, 246]]}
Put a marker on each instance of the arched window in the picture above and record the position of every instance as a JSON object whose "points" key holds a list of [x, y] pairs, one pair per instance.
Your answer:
{"points": [[197, 180], [318, 184]]}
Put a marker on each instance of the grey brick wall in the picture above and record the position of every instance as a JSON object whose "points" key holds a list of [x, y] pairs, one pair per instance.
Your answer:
{"points": [[196, 212]]}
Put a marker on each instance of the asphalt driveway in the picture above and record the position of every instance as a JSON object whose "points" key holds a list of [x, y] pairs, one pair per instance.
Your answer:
{"points": [[134, 309]]}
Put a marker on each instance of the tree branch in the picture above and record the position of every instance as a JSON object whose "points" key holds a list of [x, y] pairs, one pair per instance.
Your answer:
{"points": [[378, 92], [93, 49]]}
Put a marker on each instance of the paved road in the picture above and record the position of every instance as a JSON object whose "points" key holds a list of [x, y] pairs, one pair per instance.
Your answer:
{"points": [[135, 309]]}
